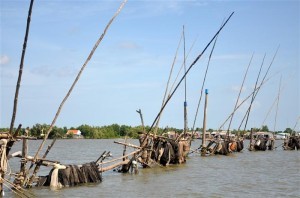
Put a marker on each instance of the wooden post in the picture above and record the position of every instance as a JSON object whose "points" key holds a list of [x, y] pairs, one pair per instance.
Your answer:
{"points": [[142, 120], [203, 150], [24, 151], [38, 164], [21, 178], [185, 102], [251, 147], [124, 151]]}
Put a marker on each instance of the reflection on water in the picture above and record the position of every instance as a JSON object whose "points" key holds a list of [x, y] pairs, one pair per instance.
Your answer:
{"points": [[245, 174]]}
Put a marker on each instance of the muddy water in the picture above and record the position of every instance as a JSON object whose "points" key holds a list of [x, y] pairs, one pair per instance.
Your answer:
{"points": [[246, 174]]}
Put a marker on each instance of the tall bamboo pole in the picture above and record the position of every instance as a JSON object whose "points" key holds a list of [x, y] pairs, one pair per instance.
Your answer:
{"points": [[21, 69], [77, 78], [278, 96], [237, 100], [190, 67], [168, 83], [203, 83], [255, 93], [185, 102]]}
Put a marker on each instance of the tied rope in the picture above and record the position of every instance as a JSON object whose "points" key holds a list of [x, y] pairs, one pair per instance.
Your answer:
{"points": [[3, 165], [54, 177]]}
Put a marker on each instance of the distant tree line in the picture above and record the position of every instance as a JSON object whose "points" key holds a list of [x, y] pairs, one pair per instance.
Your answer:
{"points": [[110, 131], [90, 132]]}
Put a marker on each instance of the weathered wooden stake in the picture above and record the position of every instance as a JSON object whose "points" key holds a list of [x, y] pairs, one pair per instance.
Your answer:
{"points": [[251, 147], [203, 150], [142, 119], [24, 151]]}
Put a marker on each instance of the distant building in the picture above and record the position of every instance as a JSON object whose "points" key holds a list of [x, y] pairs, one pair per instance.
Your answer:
{"points": [[75, 133]]}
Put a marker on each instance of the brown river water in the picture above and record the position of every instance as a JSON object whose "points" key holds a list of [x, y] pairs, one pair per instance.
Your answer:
{"points": [[245, 174]]}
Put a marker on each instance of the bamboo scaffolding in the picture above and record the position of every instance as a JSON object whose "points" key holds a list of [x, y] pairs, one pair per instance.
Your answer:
{"points": [[168, 82], [190, 67], [120, 158], [255, 93], [7, 136], [203, 83], [103, 169], [128, 144], [75, 82], [245, 99], [240, 91]]}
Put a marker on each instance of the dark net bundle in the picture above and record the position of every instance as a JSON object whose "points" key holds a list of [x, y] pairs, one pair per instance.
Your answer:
{"points": [[74, 175]]}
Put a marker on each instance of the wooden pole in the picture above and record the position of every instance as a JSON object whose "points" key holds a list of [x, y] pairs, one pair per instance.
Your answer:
{"points": [[116, 159], [278, 96], [185, 102], [38, 164], [24, 152], [167, 86], [125, 147], [255, 93], [203, 150], [142, 119], [12, 139], [20, 179], [76, 80], [190, 67], [124, 162], [203, 82], [238, 98], [21, 69], [251, 146]]}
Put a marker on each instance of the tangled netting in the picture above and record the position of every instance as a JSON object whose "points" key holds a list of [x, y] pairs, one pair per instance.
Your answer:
{"points": [[72, 175]]}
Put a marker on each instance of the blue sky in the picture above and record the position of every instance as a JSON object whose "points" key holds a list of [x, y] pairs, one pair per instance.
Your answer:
{"points": [[130, 68]]}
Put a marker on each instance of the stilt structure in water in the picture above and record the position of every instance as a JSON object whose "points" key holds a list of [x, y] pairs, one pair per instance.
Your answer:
{"points": [[60, 175], [292, 142]]}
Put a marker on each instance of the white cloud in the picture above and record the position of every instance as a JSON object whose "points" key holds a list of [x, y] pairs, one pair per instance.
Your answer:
{"points": [[4, 59]]}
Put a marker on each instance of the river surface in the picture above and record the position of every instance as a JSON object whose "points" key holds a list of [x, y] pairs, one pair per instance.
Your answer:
{"points": [[245, 174]]}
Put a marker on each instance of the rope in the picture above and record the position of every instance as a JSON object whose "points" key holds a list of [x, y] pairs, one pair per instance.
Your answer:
{"points": [[16, 189], [3, 165], [54, 177]]}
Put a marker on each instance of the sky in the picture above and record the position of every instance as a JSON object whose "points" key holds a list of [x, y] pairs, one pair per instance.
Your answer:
{"points": [[131, 66]]}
